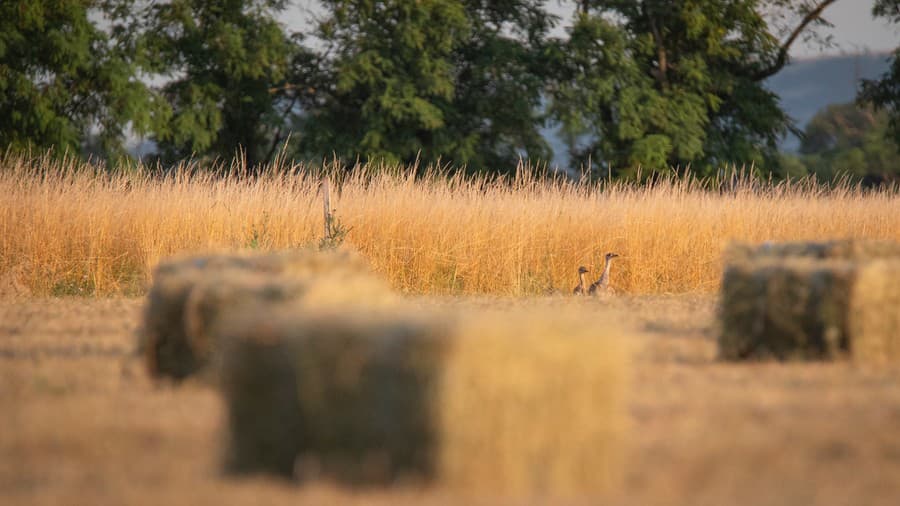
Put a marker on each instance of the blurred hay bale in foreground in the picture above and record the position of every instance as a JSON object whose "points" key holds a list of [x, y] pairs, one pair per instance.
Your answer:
{"points": [[222, 293], [875, 313], [353, 390], [509, 403], [188, 294], [812, 301], [533, 403], [792, 309]]}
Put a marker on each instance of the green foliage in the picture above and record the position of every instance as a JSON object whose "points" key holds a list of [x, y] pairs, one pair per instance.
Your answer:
{"points": [[502, 70], [429, 79], [850, 140], [227, 62], [649, 85], [660, 84], [884, 93], [64, 83]]}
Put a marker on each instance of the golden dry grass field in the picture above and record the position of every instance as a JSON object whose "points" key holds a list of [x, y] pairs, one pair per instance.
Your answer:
{"points": [[69, 229], [82, 423]]}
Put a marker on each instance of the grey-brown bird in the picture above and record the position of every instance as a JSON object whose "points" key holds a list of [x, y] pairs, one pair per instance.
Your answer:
{"points": [[602, 284], [581, 288]]}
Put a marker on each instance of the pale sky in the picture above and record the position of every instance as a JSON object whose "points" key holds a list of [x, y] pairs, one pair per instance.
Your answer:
{"points": [[854, 28], [854, 31]]}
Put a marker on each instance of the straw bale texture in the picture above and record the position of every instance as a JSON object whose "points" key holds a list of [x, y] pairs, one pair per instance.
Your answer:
{"points": [[875, 313], [354, 391], [801, 308], [162, 337], [792, 309], [533, 404], [221, 293], [506, 403], [174, 335]]}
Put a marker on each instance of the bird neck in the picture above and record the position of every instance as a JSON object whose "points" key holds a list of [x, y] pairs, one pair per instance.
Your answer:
{"points": [[604, 278], [581, 277]]}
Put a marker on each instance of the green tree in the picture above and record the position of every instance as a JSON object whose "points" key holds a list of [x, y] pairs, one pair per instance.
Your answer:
{"points": [[451, 79], [225, 64], [884, 93], [658, 84], [502, 70], [847, 139], [64, 82]]}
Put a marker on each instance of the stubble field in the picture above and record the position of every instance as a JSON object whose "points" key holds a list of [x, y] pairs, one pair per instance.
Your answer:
{"points": [[83, 424]]}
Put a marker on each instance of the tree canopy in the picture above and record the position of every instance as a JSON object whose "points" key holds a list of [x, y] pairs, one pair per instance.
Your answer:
{"points": [[648, 83], [884, 93], [64, 82], [225, 63], [660, 84], [459, 80], [850, 140]]}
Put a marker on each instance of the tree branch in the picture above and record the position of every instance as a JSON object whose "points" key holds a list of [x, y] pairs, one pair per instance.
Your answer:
{"points": [[278, 138], [661, 58], [786, 46]]}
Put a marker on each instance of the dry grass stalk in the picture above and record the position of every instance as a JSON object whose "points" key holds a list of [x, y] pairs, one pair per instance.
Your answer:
{"points": [[11, 285], [102, 232], [512, 404]]}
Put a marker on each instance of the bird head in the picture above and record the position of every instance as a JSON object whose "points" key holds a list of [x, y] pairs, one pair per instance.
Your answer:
{"points": [[610, 256], [582, 270]]}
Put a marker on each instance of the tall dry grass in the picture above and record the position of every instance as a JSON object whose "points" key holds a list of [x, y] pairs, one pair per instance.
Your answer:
{"points": [[66, 227]]}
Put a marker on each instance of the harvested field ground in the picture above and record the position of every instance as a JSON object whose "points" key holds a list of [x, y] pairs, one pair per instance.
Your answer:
{"points": [[82, 424]]}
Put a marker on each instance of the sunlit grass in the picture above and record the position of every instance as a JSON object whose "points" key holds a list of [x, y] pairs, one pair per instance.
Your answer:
{"points": [[70, 228]]}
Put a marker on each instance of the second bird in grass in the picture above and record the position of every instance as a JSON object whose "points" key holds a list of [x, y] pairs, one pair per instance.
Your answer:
{"points": [[602, 284], [581, 287]]}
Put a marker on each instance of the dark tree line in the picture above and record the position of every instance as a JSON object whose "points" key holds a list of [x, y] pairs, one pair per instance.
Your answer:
{"points": [[651, 83]]}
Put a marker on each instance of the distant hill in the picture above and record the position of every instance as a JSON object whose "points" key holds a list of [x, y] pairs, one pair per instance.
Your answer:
{"points": [[806, 86]]}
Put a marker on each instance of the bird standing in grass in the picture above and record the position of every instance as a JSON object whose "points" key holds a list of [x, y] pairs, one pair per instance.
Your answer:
{"points": [[581, 289], [602, 284]]}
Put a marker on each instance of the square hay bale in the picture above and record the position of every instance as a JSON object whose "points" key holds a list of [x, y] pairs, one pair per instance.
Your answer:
{"points": [[875, 313], [839, 249], [353, 391], [533, 404], [504, 403], [165, 337], [222, 293], [162, 337], [801, 308]]}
